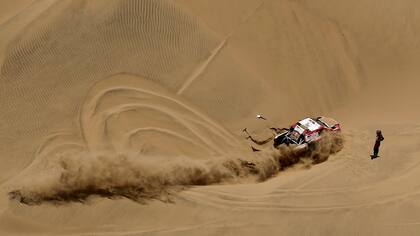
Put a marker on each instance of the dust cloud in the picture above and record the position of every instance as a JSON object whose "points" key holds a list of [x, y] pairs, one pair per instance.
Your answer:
{"points": [[78, 176]]}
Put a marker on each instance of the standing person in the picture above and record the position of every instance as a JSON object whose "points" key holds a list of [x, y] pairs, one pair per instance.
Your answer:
{"points": [[379, 139]]}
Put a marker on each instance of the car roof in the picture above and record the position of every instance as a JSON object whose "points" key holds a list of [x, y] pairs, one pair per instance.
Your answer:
{"points": [[310, 124]]}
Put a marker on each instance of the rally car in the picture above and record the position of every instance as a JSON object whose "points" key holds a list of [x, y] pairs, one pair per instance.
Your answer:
{"points": [[305, 132], [301, 135]]}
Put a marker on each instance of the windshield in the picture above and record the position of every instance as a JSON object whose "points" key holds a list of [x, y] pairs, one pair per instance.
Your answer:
{"points": [[299, 128], [294, 135]]}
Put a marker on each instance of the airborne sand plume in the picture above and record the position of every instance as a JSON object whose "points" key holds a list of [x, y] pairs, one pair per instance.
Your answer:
{"points": [[78, 176], [138, 99]]}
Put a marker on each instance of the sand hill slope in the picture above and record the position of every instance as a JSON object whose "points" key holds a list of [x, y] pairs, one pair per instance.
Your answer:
{"points": [[133, 96]]}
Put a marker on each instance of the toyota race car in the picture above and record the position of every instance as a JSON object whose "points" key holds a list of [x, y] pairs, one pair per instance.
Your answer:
{"points": [[301, 134], [306, 131]]}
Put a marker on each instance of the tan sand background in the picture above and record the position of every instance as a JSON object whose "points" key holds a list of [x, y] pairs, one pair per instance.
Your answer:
{"points": [[156, 93]]}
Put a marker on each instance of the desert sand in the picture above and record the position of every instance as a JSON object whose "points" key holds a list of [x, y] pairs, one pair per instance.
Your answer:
{"points": [[125, 117]]}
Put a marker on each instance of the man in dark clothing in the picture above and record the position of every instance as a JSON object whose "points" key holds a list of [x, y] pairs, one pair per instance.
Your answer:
{"points": [[379, 139]]}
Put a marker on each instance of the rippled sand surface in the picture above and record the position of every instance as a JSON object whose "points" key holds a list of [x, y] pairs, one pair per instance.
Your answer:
{"points": [[125, 117]]}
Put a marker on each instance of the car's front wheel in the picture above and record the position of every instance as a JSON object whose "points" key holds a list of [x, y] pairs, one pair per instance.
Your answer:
{"points": [[280, 139]]}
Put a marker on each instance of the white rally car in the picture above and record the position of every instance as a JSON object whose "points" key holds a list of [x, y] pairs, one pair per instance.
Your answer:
{"points": [[305, 132]]}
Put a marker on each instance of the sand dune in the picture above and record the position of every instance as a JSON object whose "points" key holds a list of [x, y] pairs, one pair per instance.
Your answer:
{"points": [[124, 117]]}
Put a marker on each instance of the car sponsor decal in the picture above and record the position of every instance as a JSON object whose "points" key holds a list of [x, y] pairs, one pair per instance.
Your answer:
{"points": [[310, 124]]}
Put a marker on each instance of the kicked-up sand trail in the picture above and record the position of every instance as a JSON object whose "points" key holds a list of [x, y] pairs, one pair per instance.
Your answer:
{"points": [[125, 117]]}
